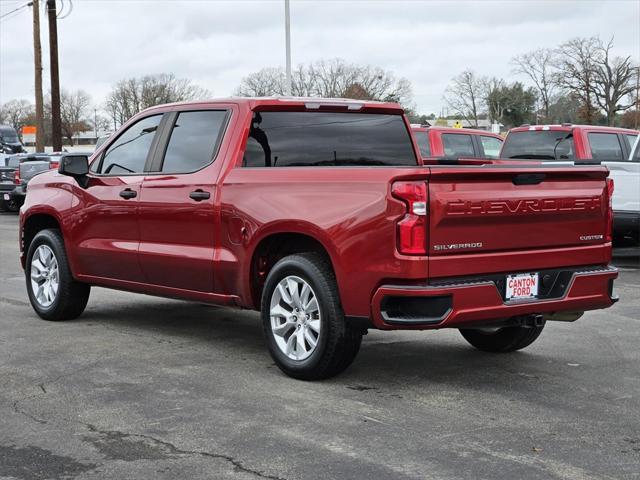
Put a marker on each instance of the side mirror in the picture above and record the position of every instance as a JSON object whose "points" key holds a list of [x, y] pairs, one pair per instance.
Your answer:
{"points": [[76, 166]]}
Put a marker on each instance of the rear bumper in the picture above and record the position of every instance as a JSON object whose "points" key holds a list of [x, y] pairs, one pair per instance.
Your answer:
{"points": [[458, 305]]}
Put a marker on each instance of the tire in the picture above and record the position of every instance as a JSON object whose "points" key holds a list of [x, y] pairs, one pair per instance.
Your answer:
{"points": [[9, 206], [336, 342], [70, 298], [501, 340]]}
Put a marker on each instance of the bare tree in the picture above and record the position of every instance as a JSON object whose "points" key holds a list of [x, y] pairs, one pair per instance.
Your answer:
{"points": [[132, 95], [330, 79], [538, 65], [464, 96], [16, 113], [490, 94], [264, 83], [576, 62], [74, 113], [614, 80]]}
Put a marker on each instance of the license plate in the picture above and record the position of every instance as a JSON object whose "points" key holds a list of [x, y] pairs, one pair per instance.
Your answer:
{"points": [[524, 285], [7, 197]]}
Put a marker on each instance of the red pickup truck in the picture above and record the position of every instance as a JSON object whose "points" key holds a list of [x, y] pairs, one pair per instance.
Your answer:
{"points": [[320, 214]]}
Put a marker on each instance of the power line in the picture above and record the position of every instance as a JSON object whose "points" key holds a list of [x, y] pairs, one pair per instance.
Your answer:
{"points": [[15, 10]]}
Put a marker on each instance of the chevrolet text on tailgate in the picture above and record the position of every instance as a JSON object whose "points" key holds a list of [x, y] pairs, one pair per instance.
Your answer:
{"points": [[319, 214]]}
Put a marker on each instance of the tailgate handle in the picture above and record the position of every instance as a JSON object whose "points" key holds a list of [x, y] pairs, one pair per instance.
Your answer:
{"points": [[528, 178]]}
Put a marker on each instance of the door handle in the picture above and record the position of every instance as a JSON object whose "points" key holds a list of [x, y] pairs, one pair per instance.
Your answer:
{"points": [[127, 193], [199, 195]]}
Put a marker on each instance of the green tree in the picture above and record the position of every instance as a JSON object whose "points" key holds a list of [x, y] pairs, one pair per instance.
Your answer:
{"points": [[512, 105]]}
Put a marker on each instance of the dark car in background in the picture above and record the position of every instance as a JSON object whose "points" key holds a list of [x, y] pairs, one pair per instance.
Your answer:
{"points": [[8, 168], [9, 140], [15, 173]]}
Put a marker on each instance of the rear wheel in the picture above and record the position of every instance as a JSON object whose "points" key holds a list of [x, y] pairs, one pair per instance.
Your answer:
{"points": [[303, 322], [9, 206], [53, 292], [501, 340]]}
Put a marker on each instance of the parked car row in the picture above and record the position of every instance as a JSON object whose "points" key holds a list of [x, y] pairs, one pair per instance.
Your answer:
{"points": [[321, 214], [15, 173]]}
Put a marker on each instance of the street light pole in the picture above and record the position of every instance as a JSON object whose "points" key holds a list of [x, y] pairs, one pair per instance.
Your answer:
{"points": [[287, 28]]}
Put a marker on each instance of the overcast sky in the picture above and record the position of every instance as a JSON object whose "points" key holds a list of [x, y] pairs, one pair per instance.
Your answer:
{"points": [[216, 43]]}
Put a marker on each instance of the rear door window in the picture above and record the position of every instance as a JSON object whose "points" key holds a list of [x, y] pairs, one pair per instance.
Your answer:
{"points": [[303, 139], [457, 145], [605, 146], [491, 146], [193, 140], [422, 138]]}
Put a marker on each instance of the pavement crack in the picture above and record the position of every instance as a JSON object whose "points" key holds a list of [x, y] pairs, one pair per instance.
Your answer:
{"points": [[171, 449], [17, 408], [20, 411]]}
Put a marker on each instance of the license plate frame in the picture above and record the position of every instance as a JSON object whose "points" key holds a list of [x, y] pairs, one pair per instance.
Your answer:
{"points": [[522, 286]]}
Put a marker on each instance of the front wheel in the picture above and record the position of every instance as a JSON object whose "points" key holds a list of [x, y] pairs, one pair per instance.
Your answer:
{"points": [[303, 322], [53, 292], [501, 340]]}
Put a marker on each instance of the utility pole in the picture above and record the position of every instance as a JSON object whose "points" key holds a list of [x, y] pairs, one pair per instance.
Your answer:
{"points": [[637, 97], [287, 30], [37, 55], [56, 127]]}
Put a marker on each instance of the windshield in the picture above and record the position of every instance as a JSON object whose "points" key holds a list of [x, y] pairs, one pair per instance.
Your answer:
{"points": [[9, 138], [539, 144]]}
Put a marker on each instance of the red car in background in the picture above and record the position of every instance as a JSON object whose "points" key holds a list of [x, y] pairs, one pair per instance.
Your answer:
{"points": [[456, 142]]}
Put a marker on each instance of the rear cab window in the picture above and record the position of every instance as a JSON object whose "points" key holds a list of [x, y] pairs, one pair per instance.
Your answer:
{"points": [[304, 139], [539, 144]]}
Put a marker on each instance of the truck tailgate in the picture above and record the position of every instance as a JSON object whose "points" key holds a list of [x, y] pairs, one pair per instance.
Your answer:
{"points": [[493, 210]]}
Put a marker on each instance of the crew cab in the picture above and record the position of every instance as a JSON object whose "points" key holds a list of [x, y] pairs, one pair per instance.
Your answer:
{"points": [[610, 146], [445, 142], [320, 214]]}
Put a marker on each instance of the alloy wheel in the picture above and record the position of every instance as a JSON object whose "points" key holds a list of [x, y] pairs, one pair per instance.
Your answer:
{"points": [[295, 318], [45, 280]]}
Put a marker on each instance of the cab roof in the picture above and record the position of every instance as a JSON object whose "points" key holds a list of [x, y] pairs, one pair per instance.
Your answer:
{"points": [[298, 103], [566, 127]]}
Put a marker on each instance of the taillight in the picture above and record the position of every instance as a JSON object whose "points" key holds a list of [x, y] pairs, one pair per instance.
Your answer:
{"points": [[412, 228], [609, 228], [16, 177], [54, 164]]}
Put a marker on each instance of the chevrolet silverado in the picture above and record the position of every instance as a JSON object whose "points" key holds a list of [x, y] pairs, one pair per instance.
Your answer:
{"points": [[322, 215]]}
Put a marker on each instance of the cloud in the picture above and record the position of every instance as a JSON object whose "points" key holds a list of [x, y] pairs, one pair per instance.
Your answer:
{"points": [[216, 43]]}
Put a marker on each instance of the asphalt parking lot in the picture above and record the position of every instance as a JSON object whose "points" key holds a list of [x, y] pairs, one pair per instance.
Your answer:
{"points": [[141, 387]]}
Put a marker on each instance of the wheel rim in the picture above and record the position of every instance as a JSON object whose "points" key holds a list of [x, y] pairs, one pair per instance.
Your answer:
{"points": [[295, 318], [45, 279]]}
